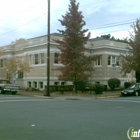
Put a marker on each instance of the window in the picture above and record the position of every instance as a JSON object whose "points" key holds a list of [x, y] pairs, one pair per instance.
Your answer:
{"points": [[98, 62], [35, 84], [117, 61], [29, 84], [42, 58], [40, 84], [113, 60], [109, 60], [56, 55], [20, 75], [31, 59], [36, 59], [56, 83], [1, 63], [62, 83]]}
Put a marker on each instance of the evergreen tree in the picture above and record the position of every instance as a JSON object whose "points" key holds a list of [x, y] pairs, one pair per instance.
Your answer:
{"points": [[76, 65], [131, 61]]}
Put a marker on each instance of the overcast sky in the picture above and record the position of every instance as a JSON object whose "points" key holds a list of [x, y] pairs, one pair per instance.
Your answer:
{"points": [[28, 18]]}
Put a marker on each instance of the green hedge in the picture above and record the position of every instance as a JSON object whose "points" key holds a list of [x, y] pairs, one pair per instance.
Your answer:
{"points": [[55, 88], [98, 88]]}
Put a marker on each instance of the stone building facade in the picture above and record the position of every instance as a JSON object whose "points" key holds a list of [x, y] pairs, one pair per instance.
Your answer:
{"points": [[106, 67]]}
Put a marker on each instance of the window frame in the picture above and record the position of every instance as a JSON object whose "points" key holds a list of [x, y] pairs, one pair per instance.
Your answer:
{"points": [[42, 58], [56, 56], [98, 62], [1, 63], [36, 59], [31, 59], [113, 60]]}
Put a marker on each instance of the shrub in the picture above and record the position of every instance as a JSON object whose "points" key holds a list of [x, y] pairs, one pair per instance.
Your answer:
{"points": [[32, 89], [98, 88], [127, 84], [81, 86], [91, 87], [105, 87], [113, 83]]}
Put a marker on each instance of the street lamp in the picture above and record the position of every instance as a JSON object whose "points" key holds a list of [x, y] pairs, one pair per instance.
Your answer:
{"points": [[48, 53]]}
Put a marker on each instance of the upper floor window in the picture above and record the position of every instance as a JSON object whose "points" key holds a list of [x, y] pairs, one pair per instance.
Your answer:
{"points": [[1, 63], [31, 59], [42, 58], [56, 55], [98, 62], [36, 59], [113, 60], [20, 75]]}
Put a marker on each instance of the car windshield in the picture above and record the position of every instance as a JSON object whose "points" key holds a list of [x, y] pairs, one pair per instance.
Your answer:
{"points": [[133, 86], [4, 82]]}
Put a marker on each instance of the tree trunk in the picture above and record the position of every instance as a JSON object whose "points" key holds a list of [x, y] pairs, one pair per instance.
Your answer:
{"points": [[75, 87]]}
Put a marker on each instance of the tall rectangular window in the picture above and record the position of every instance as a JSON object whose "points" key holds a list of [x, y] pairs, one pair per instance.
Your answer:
{"points": [[36, 59], [117, 61], [40, 84], [1, 63], [113, 59], [98, 62], [109, 60], [35, 84], [31, 61], [42, 58], [20, 75], [56, 55], [29, 84]]}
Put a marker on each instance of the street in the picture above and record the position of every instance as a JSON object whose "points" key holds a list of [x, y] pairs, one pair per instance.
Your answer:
{"points": [[32, 118]]}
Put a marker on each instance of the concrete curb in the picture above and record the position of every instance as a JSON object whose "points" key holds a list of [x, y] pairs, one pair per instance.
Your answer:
{"points": [[39, 96], [107, 97]]}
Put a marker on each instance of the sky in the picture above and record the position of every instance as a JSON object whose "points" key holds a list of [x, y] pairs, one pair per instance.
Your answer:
{"points": [[28, 18]]}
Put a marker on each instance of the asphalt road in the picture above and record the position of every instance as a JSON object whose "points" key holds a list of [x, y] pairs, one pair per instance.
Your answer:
{"points": [[32, 118]]}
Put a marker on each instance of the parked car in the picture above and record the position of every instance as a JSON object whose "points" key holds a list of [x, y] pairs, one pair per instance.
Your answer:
{"points": [[132, 90], [6, 86]]}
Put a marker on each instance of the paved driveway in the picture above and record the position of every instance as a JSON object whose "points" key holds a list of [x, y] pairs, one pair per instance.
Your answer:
{"points": [[31, 118]]}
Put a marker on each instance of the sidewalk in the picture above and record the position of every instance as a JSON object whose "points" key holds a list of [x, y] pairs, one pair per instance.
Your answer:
{"points": [[30, 93]]}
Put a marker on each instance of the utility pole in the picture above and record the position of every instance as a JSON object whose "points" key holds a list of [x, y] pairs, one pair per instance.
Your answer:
{"points": [[48, 53]]}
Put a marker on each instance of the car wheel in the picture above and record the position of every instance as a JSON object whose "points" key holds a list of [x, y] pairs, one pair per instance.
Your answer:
{"points": [[136, 93], [1, 91]]}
